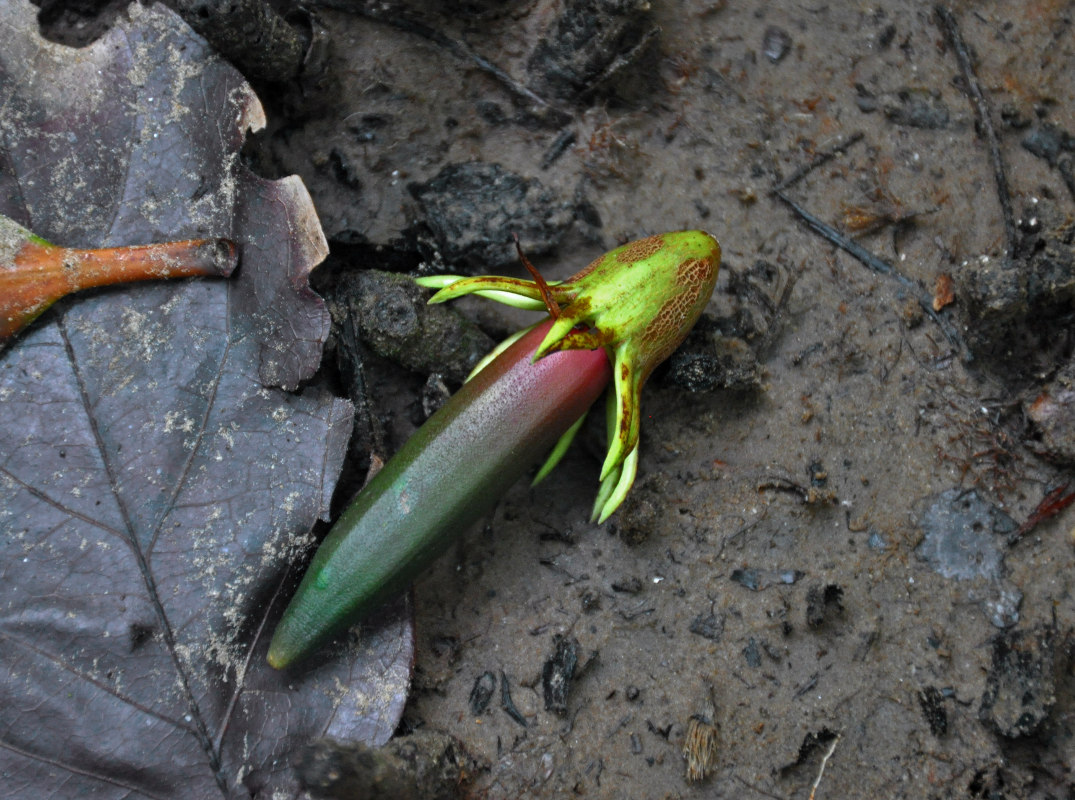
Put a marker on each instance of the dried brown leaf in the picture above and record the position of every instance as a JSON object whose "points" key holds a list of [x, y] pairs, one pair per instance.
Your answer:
{"points": [[156, 481]]}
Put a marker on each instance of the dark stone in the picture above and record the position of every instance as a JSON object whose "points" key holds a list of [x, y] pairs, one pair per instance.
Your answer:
{"points": [[748, 578], [775, 43], [752, 653], [963, 535], [917, 108], [709, 626], [867, 103]]}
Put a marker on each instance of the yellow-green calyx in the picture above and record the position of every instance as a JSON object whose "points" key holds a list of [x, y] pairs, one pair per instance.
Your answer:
{"points": [[638, 302]]}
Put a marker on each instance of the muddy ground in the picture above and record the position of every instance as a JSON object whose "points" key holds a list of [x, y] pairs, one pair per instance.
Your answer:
{"points": [[820, 587], [825, 583]]}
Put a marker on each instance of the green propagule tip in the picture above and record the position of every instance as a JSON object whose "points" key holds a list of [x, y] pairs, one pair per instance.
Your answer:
{"points": [[614, 321]]}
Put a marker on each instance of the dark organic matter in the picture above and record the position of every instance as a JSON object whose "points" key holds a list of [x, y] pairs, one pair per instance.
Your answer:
{"points": [[1021, 689], [1021, 307], [422, 766], [587, 44], [251, 34], [824, 604], [931, 700], [558, 673], [473, 210], [482, 693], [729, 364], [393, 319]]}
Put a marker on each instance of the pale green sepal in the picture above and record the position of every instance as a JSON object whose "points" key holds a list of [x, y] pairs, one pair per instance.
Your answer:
{"points": [[560, 328], [509, 297], [497, 284], [438, 281], [604, 490], [624, 435], [500, 348], [615, 488], [513, 300], [558, 451]]}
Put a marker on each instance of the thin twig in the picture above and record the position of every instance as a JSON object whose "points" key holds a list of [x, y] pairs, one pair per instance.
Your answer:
{"points": [[546, 296], [823, 157], [507, 703], [758, 789], [950, 28], [559, 146], [391, 14], [621, 61], [878, 265], [1051, 505], [824, 761], [833, 236]]}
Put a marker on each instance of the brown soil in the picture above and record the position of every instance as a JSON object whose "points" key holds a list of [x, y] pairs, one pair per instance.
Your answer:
{"points": [[820, 568], [822, 585]]}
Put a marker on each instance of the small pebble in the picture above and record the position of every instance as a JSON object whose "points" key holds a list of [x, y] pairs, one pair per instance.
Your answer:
{"points": [[775, 43]]}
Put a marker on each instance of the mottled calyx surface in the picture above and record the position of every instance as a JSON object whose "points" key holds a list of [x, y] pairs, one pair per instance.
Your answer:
{"points": [[638, 302]]}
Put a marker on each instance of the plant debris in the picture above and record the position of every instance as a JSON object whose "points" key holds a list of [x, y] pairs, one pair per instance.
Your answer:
{"points": [[1020, 688], [558, 673], [157, 483], [700, 748]]}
